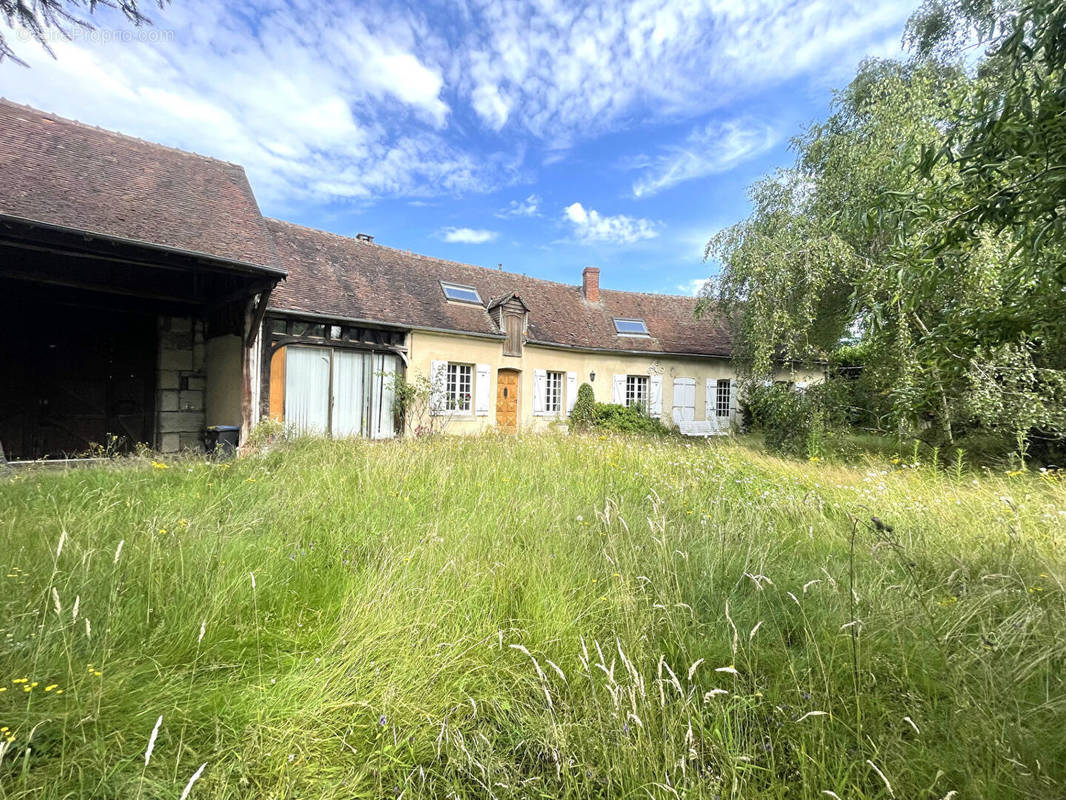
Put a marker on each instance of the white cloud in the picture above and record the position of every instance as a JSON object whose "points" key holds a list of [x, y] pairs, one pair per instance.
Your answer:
{"points": [[318, 104], [530, 207], [692, 287], [490, 105], [468, 235], [572, 71], [715, 148], [327, 101], [591, 226]]}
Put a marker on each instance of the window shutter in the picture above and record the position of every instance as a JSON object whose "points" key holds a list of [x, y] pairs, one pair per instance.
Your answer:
{"points": [[571, 391], [733, 402], [709, 402], [540, 390], [437, 377], [481, 390], [656, 400], [618, 393]]}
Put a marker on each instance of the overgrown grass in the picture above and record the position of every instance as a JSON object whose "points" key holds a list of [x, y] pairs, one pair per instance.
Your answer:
{"points": [[538, 617]]}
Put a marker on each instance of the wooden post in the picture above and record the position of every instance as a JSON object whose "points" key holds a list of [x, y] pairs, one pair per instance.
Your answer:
{"points": [[254, 312]]}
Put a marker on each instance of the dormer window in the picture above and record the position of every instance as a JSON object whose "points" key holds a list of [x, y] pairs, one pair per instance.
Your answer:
{"points": [[461, 293], [630, 327]]}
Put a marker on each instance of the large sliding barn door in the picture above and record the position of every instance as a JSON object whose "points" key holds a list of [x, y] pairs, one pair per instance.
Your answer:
{"points": [[307, 378], [338, 392], [351, 370]]}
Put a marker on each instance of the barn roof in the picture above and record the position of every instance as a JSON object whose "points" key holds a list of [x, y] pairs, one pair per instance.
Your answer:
{"points": [[75, 176], [357, 279]]}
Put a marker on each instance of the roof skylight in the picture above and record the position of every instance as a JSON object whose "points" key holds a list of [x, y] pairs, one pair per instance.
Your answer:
{"points": [[464, 294], [630, 327]]}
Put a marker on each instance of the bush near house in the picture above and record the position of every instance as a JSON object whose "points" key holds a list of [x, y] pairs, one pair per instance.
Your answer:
{"points": [[536, 617], [582, 416], [626, 419]]}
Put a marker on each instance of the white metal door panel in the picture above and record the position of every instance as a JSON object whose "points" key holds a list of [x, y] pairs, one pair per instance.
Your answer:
{"points": [[684, 399], [307, 389], [383, 424], [350, 376]]}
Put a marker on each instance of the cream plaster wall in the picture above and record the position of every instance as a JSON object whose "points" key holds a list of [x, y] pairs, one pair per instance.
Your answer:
{"points": [[425, 347]]}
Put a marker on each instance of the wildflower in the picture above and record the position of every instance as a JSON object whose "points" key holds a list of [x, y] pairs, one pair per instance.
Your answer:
{"points": [[51, 686], [162, 531], [159, 465], [195, 777], [21, 680], [151, 740], [3, 688]]}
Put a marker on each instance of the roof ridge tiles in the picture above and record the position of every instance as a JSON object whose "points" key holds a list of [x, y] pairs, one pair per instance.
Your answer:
{"points": [[53, 117]]}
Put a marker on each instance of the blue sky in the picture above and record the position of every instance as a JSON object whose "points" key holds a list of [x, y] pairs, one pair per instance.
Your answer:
{"points": [[535, 134]]}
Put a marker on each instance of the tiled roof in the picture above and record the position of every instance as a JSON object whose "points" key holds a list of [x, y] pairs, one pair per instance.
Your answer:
{"points": [[330, 274], [64, 173]]}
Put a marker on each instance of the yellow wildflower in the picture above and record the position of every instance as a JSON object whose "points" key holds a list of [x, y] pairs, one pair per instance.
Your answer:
{"points": [[51, 686], [160, 465]]}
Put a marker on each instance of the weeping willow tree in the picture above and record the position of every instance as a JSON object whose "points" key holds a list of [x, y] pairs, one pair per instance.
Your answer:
{"points": [[922, 221]]}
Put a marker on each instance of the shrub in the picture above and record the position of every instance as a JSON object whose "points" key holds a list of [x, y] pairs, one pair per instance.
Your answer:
{"points": [[795, 421], [626, 419], [582, 417]]}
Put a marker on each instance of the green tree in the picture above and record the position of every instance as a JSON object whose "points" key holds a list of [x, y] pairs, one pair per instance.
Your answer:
{"points": [[873, 237]]}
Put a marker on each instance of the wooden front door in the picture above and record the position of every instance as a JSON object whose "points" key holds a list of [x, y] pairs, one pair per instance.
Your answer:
{"points": [[507, 400]]}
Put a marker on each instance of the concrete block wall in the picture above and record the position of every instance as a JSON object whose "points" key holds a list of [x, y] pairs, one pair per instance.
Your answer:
{"points": [[181, 385]]}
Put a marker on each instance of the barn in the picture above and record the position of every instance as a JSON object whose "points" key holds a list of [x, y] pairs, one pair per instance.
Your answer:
{"points": [[133, 278]]}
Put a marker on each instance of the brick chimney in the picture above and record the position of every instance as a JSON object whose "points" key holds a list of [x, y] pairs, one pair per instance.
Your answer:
{"points": [[590, 284]]}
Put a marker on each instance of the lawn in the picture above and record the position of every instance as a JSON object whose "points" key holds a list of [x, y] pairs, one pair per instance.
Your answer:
{"points": [[536, 617]]}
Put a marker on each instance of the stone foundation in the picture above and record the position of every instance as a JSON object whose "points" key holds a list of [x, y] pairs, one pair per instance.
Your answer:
{"points": [[181, 385]]}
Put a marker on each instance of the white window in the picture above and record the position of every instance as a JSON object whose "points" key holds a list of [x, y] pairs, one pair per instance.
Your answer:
{"points": [[458, 382], [553, 393], [722, 398], [630, 327], [464, 294], [637, 391]]}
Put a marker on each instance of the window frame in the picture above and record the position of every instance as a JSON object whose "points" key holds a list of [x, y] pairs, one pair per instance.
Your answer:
{"points": [[453, 388], [638, 391], [559, 379], [723, 383], [461, 287], [633, 320]]}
